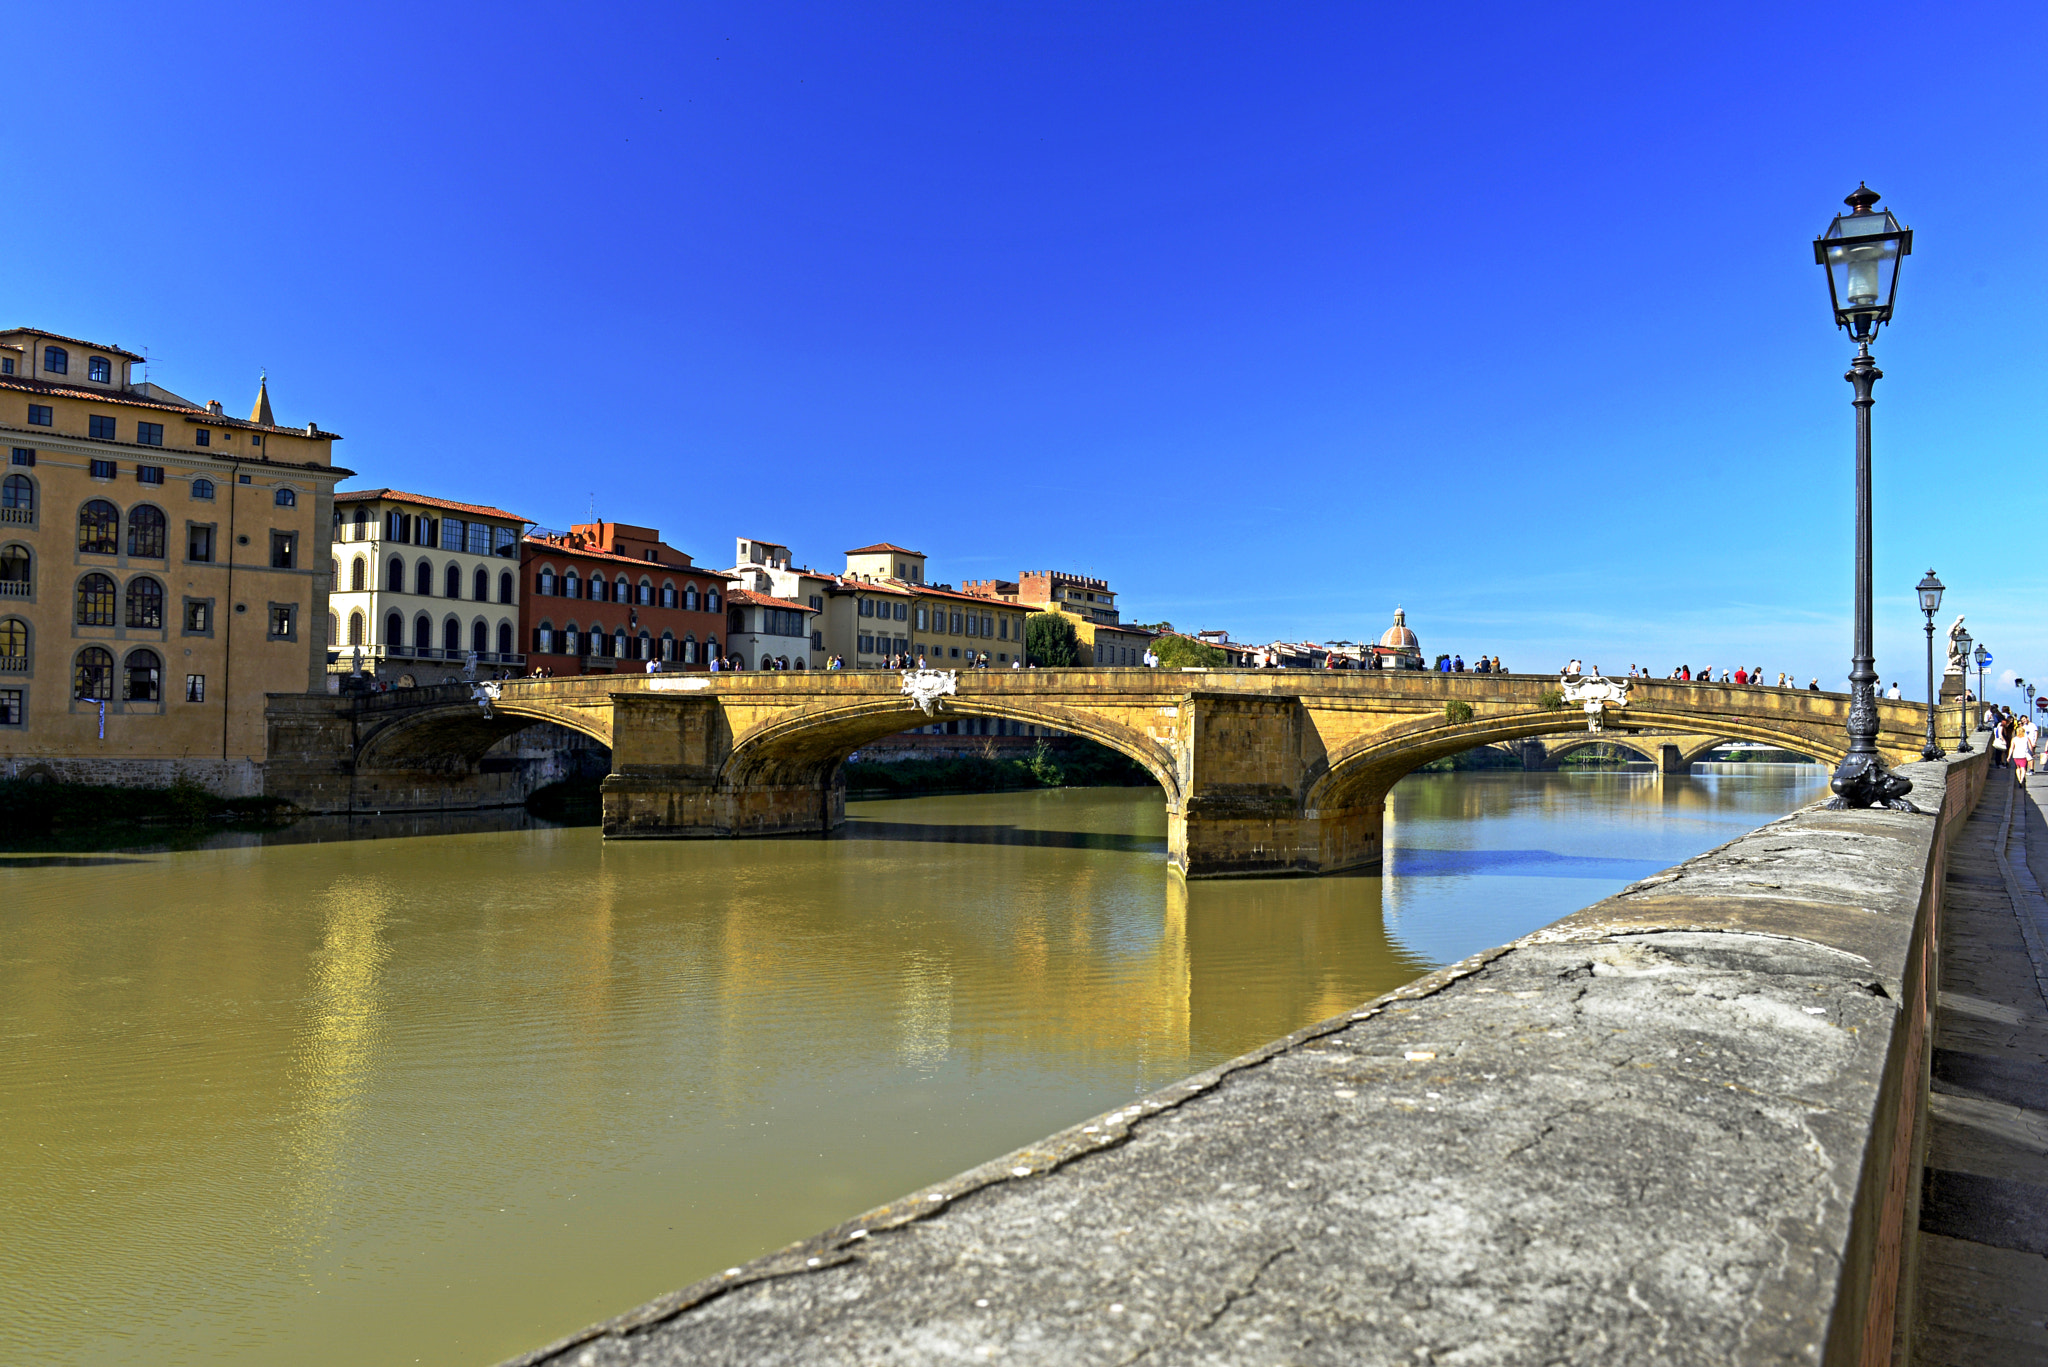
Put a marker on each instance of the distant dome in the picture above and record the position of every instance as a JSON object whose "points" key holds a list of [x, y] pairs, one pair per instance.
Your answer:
{"points": [[1397, 646]]}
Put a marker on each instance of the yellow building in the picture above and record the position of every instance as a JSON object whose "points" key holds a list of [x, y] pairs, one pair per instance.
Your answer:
{"points": [[163, 566]]}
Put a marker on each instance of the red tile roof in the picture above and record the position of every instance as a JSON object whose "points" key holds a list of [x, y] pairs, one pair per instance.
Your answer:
{"points": [[766, 600], [881, 546], [542, 547], [79, 341], [200, 416], [401, 496]]}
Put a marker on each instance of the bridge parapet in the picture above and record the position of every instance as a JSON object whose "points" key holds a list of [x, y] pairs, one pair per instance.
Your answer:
{"points": [[1680, 1125]]}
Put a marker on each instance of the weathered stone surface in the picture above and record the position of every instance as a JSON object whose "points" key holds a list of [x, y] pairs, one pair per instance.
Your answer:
{"points": [[1666, 1129]]}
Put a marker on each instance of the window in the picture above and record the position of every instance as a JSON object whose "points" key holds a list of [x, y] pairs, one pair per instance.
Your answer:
{"points": [[599, 588], [505, 542], [544, 639], [23, 455], [710, 605], [195, 688], [866, 645], [15, 570], [284, 621], [481, 586], [99, 427], [92, 677], [867, 607], [355, 575], [480, 637], [423, 633], [6, 365], [18, 496], [256, 440], [95, 601], [14, 644], [451, 533], [956, 623], [99, 528], [690, 648], [40, 415], [198, 616], [145, 677], [505, 587], [817, 640], [361, 522], [902, 612], [202, 437], [146, 532], [394, 631], [394, 575], [988, 625], [56, 360], [479, 538], [451, 637], [286, 498], [100, 469], [570, 587], [423, 530], [241, 479], [544, 583], [145, 602], [202, 489], [668, 595], [98, 370], [355, 628], [199, 542], [333, 629], [689, 598], [423, 579], [454, 581], [397, 527], [284, 550], [568, 644], [10, 698], [622, 592], [504, 638], [149, 433]]}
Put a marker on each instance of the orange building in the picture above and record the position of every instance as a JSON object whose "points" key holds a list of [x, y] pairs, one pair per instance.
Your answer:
{"points": [[606, 596]]}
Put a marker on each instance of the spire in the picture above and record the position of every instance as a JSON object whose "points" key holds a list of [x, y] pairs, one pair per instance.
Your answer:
{"points": [[261, 412]]}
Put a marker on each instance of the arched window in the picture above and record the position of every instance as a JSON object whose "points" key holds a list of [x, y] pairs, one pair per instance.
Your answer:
{"points": [[422, 633], [362, 522], [505, 587], [668, 594], [145, 602], [480, 636], [569, 643], [710, 647], [619, 646], [482, 585], [800, 663], [423, 579], [92, 677], [689, 597], [286, 498], [145, 681], [99, 369], [394, 631], [202, 489], [355, 628], [569, 585], [17, 567], [646, 593], [544, 584], [454, 581], [57, 361], [647, 648], [356, 571], [689, 648], [451, 637], [333, 628], [99, 528], [96, 601], [504, 638], [598, 588], [146, 532], [394, 576], [711, 600], [622, 592], [13, 640], [18, 495], [544, 638]]}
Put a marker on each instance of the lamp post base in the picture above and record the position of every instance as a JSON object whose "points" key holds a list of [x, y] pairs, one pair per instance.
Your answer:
{"points": [[1861, 781]]}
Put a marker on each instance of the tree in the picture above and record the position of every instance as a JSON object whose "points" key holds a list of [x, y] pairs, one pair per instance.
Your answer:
{"points": [[1180, 652], [1049, 641]]}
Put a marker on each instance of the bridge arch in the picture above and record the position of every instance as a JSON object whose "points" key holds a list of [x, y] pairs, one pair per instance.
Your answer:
{"points": [[453, 736]]}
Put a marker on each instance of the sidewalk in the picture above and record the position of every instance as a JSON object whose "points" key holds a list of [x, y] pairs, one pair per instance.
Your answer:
{"points": [[1983, 1266]]}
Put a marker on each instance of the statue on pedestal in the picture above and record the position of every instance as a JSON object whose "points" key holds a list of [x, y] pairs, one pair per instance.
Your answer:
{"points": [[1958, 661]]}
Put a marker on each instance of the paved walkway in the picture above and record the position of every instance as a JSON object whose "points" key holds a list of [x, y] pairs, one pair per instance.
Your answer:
{"points": [[1983, 1282]]}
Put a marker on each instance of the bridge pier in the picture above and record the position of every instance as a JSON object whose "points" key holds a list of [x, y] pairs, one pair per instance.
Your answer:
{"points": [[1672, 760], [667, 780]]}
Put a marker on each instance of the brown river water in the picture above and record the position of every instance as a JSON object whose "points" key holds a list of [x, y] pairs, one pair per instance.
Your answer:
{"points": [[442, 1098]]}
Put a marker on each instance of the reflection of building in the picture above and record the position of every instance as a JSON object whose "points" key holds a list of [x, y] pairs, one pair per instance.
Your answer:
{"points": [[1397, 647], [421, 582], [162, 567], [605, 596]]}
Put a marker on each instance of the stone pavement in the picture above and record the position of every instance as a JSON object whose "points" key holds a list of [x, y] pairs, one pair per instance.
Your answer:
{"points": [[1983, 1262]]}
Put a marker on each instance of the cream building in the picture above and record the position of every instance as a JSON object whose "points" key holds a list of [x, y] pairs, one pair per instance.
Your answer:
{"points": [[162, 568], [421, 584]]}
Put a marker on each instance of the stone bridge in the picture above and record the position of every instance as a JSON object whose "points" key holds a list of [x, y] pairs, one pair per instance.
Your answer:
{"points": [[1673, 752], [1264, 771]]}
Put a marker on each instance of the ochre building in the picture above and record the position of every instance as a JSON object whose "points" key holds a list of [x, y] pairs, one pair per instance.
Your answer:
{"points": [[163, 566]]}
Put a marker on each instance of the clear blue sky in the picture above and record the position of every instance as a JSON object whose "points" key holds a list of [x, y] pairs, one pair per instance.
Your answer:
{"points": [[1273, 315]]}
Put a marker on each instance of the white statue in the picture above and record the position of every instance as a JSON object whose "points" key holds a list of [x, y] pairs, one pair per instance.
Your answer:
{"points": [[469, 665], [484, 694], [926, 686], [1958, 661], [358, 670], [1594, 693]]}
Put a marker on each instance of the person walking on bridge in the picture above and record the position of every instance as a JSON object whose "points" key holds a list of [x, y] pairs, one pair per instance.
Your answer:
{"points": [[2022, 756]]}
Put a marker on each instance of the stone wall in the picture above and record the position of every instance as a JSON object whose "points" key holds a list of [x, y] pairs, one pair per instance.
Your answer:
{"points": [[1682, 1125], [234, 777]]}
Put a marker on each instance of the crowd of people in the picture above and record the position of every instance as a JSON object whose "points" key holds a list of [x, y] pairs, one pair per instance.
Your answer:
{"points": [[2013, 738], [1455, 664]]}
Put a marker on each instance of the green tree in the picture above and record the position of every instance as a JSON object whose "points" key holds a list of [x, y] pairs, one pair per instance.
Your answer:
{"points": [[1049, 641], [1178, 652]]}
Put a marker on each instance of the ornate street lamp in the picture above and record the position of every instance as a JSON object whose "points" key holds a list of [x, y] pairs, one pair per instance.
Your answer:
{"points": [[1983, 663], [1861, 251], [1929, 590], [1963, 746]]}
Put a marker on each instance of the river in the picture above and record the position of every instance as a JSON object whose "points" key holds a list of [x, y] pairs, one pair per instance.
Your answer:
{"points": [[442, 1098]]}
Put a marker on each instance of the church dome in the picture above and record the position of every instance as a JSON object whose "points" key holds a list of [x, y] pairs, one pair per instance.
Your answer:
{"points": [[1398, 636]]}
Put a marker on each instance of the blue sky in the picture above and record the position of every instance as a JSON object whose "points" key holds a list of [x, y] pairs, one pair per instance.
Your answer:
{"points": [[1272, 315]]}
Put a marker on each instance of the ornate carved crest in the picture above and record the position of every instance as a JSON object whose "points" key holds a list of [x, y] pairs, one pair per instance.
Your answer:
{"points": [[1594, 693], [926, 686]]}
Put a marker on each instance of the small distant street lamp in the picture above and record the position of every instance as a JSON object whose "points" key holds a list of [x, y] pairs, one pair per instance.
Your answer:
{"points": [[1862, 251], [1929, 590], [1963, 746], [1983, 663]]}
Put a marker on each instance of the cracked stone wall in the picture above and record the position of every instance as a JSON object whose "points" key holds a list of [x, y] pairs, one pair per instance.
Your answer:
{"points": [[1677, 1126]]}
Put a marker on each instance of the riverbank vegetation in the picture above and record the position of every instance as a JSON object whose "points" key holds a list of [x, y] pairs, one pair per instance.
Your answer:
{"points": [[1075, 764]]}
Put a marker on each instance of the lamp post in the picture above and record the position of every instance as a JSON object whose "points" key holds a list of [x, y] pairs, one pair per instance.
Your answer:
{"points": [[1862, 251], [1983, 663], [1929, 590], [1963, 746]]}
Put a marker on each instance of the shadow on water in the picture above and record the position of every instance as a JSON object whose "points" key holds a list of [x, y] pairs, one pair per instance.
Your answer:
{"points": [[75, 846], [932, 834], [1416, 863]]}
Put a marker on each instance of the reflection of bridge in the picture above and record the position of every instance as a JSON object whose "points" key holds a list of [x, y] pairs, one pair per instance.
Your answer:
{"points": [[1265, 771], [1673, 752]]}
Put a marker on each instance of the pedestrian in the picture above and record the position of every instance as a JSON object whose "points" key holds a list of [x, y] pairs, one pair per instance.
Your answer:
{"points": [[1999, 740], [1457, 664], [1813, 685], [1894, 694], [2022, 756], [1497, 667], [1741, 676]]}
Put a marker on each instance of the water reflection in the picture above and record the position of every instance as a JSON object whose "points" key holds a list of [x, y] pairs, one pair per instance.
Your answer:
{"points": [[447, 1096]]}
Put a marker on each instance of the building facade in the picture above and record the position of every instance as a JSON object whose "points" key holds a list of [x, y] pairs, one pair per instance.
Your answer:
{"points": [[1087, 604], [421, 584], [163, 566], [606, 596]]}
